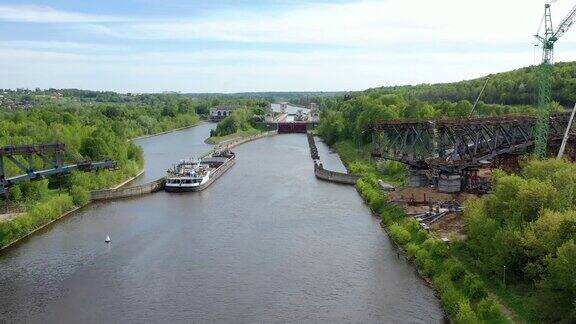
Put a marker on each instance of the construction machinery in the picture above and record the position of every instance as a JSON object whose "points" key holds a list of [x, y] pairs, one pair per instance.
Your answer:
{"points": [[549, 37]]}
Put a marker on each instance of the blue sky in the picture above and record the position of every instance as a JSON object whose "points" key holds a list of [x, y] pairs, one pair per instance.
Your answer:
{"points": [[257, 45]]}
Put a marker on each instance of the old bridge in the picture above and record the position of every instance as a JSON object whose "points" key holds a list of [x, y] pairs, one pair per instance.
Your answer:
{"points": [[454, 149], [51, 160]]}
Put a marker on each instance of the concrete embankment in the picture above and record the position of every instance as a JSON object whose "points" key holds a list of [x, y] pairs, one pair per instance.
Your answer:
{"points": [[238, 141], [146, 188], [327, 175], [333, 176]]}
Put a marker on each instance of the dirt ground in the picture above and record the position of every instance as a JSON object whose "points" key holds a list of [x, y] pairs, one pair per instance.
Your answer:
{"points": [[451, 224], [417, 200], [423, 195]]}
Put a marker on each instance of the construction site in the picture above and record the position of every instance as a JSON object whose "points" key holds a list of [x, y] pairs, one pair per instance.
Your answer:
{"points": [[451, 160]]}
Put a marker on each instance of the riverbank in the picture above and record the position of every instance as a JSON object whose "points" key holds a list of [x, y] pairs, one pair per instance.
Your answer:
{"points": [[69, 208], [221, 139], [245, 139], [464, 295]]}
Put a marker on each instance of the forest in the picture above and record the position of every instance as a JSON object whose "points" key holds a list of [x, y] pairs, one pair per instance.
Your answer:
{"points": [[527, 229], [517, 87], [348, 118]]}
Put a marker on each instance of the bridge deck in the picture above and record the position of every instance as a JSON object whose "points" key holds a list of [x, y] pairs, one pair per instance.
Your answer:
{"points": [[456, 144], [53, 165]]}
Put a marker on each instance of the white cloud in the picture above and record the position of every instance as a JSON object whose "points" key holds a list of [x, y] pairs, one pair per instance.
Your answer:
{"points": [[45, 14], [349, 46], [61, 46], [251, 70], [361, 23]]}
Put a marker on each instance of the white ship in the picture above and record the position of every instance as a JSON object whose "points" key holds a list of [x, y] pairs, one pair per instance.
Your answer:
{"points": [[195, 174]]}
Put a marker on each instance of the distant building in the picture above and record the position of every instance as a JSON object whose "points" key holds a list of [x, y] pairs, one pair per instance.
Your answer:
{"points": [[269, 117], [220, 112], [314, 113]]}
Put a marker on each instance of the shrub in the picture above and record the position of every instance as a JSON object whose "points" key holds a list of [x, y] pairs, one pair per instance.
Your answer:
{"points": [[372, 195], [488, 311], [436, 248], [465, 313], [80, 196], [391, 213], [420, 236], [399, 234], [474, 287], [454, 269], [15, 194], [34, 191], [421, 256], [412, 249], [450, 296], [429, 267]]}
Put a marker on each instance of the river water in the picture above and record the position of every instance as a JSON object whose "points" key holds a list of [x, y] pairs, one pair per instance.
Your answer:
{"points": [[265, 243]]}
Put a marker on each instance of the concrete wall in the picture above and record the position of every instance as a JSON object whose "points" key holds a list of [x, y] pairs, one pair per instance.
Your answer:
{"points": [[333, 176], [238, 141], [417, 178], [450, 183], [128, 192]]}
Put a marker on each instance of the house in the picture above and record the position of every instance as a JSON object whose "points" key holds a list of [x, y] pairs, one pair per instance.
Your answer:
{"points": [[220, 112]]}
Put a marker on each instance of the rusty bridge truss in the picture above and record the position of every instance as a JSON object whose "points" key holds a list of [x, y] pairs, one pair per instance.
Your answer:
{"points": [[454, 145], [36, 162]]}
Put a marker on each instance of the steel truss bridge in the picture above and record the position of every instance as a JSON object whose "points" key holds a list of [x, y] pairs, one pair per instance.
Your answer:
{"points": [[52, 160], [454, 145]]}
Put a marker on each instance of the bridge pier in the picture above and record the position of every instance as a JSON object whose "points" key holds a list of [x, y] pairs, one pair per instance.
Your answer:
{"points": [[449, 182], [417, 178]]}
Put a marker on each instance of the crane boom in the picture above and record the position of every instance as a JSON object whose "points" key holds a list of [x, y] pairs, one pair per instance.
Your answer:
{"points": [[565, 24]]}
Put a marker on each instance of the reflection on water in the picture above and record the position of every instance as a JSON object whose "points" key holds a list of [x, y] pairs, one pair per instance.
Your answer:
{"points": [[267, 242]]}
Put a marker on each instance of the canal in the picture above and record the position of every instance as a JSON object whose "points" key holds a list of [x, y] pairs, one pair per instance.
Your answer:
{"points": [[265, 243]]}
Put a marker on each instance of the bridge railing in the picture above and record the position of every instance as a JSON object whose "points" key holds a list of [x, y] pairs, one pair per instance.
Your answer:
{"points": [[51, 155]]}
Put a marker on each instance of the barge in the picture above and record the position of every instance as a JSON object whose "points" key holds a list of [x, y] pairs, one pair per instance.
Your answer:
{"points": [[198, 174]]}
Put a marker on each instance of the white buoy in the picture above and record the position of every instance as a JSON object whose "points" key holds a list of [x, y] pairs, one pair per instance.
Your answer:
{"points": [[107, 240]]}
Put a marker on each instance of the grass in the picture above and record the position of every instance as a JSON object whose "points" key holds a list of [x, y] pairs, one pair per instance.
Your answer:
{"points": [[358, 160], [239, 134]]}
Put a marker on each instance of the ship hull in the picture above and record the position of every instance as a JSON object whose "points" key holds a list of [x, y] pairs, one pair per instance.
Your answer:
{"points": [[180, 188], [217, 173]]}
